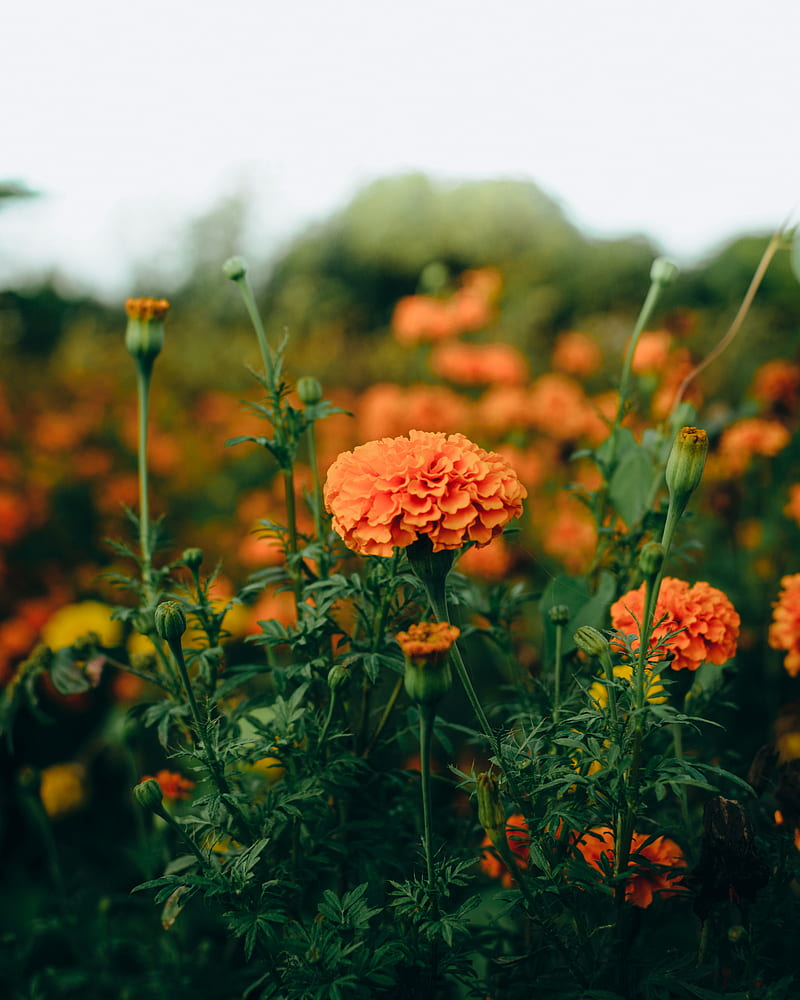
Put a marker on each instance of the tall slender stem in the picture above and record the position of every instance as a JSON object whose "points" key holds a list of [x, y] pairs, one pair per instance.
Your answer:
{"points": [[427, 717], [143, 372]]}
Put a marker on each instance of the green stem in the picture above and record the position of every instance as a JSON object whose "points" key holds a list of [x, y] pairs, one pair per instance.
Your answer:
{"points": [[557, 672], [387, 711], [291, 523], [319, 524], [427, 717], [648, 307], [255, 318], [143, 373], [328, 718]]}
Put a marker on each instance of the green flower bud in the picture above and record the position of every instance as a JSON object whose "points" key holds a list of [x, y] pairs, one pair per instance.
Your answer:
{"points": [[148, 794], [193, 558], [559, 614], [651, 559], [337, 676], [590, 641], [427, 683], [235, 268], [426, 647], [685, 465], [170, 621], [491, 814], [309, 390], [663, 271], [736, 933], [144, 335]]}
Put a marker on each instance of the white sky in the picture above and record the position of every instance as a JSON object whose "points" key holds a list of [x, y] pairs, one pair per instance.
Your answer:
{"points": [[676, 119]]}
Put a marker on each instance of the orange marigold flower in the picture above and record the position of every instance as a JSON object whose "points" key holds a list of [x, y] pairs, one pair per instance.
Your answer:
{"points": [[576, 353], [558, 406], [777, 385], [146, 308], [479, 364], [652, 352], [706, 622], [792, 508], [784, 632], [519, 840], [389, 493], [173, 785], [428, 641], [419, 318], [658, 863], [744, 439]]}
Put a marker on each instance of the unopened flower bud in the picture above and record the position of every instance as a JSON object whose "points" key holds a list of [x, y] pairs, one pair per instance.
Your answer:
{"points": [[337, 676], [144, 335], [309, 390], [651, 559], [590, 641], [192, 558], [559, 614], [148, 794], [663, 271], [685, 465], [235, 268], [426, 648], [491, 815], [170, 621]]}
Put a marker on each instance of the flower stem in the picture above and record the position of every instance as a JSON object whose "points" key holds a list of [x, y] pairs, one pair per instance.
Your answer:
{"points": [[143, 372], [427, 717]]}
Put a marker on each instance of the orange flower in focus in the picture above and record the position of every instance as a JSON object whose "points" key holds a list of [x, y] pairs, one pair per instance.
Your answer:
{"points": [[784, 632], [479, 364], [743, 440], [658, 863], [173, 785], [391, 492], [427, 641], [519, 840], [708, 622], [576, 353]]}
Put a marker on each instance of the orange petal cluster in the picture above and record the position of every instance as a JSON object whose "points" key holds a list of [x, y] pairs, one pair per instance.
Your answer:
{"points": [[658, 863], [173, 785], [389, 493], [479, 364], [747, 438], [708, 622], [518, 837], [428, 641], [784, 632]]}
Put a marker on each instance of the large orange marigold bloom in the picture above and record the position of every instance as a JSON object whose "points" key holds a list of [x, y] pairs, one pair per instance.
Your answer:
{"points": [[519, 840], [784, 632], [657, 863], [708, 622], [389, 493]]}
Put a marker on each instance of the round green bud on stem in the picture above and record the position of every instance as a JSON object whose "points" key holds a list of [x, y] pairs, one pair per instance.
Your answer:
{"points": [[193, 558], [235, 268], [663, 271], [309, 390], [651, 559], [148, 794], [559, 614], [144, 334], [337, 676], [590, 641], [170, 621]]}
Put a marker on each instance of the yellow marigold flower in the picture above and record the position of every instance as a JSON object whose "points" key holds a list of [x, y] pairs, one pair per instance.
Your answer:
{"points": [[654, 689], [75, 621], [390, 493], [784, 632], [63, 789]]}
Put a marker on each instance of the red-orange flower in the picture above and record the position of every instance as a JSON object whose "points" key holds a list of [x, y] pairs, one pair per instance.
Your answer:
{"points": [[658, 863], [784, 632], [173, 785], [708, 622], [519, 840], [391, 492]]}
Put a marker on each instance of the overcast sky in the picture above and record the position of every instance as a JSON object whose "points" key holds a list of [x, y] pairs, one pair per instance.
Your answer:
{"points": [[674, 119]]}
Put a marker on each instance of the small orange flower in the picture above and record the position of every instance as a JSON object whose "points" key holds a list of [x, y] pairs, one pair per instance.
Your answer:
{"points": [[652, 352], [658, 863], [428, 641], [708, 622], [479, 364], [576, 353], [146, 309], [173, 785], [389, 493], [776, 384], [519, 840], [784, 632], [747, 438]]}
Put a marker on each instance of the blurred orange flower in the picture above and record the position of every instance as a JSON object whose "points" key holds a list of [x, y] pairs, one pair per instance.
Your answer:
{"points": [[558, 406], [388, 410], [776, 384], [746, 438], [652, 352], [792, 508], [784, 632], [705, 620], [418, 318], [173, 785], [576, 353], [658, 863], [489, 562], [479, 364], [390, 492], [519, 840]]}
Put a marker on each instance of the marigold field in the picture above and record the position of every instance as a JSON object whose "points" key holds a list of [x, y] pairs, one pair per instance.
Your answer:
{"points": [[406, 620]]}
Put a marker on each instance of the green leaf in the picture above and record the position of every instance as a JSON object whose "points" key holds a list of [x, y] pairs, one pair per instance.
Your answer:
{"points": [[630, 484], [67, 677]]}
